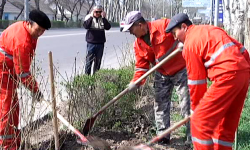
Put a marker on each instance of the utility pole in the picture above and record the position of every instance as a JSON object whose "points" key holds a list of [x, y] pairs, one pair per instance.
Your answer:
{"points": [[139, 5], [151, 9], [163, 6], [171, 8], [212, 12], [26, 9], [216, 13]]}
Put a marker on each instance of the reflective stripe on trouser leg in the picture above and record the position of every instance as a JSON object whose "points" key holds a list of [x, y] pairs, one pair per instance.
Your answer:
{"points": [[225, 96], [9, 113], [223, 139], [163, 91]]}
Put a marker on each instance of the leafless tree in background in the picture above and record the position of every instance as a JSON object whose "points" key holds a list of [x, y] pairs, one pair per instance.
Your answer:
{"points": [[79, 8], [2, 8], [89, 5], [236, 20], [37, 4], [70, 5]]}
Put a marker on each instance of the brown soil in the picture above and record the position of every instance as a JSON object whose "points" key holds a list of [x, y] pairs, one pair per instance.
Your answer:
{"points": [[139, 133]]}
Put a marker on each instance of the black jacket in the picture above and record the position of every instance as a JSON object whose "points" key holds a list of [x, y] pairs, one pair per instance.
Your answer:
{"points": [[96, 29]]}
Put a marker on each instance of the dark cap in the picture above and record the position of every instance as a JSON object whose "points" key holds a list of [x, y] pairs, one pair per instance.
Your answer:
{"points": [[40, 18], [177, 19], [130, 19]]}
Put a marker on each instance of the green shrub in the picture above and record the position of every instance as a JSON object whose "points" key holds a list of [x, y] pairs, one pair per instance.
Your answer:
{"points": [[58, 24], [244, 130], [72, 24], [114, 24], [5, 23], [89, 93]]}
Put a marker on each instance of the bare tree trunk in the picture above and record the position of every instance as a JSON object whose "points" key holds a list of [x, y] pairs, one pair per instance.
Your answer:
{"points": [[20, 13], [78, 9], [90, 4], [234, 18], [2, 8], [37, 4], [247, 26]]}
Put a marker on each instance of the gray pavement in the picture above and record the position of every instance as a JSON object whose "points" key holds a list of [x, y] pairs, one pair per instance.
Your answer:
{"points": [[69, 46]]}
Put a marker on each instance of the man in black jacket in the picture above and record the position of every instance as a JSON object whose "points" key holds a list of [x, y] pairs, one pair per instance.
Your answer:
{"points": [[96, 24]]}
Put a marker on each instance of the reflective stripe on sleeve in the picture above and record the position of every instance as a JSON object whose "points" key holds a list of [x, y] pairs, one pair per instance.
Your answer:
{"points": [[196, 82], [242, 49], [141, 69], [5, 137], [217, 53], [223, 143], [24, 75], [6, 54], [204, 142]]}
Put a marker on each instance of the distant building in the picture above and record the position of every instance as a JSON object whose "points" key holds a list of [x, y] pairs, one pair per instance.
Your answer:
{"points": [[14, 9]]}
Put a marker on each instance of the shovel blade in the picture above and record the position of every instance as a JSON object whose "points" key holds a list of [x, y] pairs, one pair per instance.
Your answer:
{"points": [[88, 125]]}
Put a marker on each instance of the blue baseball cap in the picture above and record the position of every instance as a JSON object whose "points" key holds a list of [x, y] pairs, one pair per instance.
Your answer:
{"points": [[177, 19]]}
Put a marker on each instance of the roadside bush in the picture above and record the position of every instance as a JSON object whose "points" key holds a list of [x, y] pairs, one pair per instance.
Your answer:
{"points": [[5, 23], [114, 24], [88, 94], [58, 24], [72, 24], [243, 129]]}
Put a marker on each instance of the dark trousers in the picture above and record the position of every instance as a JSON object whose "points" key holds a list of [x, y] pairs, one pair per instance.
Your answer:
{"points": [[164, 86], [94, 54]]}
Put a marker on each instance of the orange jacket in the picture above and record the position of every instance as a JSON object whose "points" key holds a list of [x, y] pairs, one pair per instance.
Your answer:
{"points": [[209, 52], [17, 43], [161, 43]]}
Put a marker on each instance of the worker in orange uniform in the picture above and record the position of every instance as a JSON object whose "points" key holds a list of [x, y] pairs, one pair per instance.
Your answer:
{"points": [[212, 54], [153, 44], [17, 48]]}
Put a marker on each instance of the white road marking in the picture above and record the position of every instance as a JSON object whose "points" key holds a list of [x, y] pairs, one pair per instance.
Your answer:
{"points": [[63, 35]]}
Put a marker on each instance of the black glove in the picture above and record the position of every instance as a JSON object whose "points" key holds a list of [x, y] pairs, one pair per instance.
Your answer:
{"points": [[38, 96]]}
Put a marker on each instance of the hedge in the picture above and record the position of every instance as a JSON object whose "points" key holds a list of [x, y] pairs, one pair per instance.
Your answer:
{"points": [[54, 24]]}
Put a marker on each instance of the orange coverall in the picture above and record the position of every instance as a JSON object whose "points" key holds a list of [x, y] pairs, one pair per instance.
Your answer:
{"points": [[16, 52], [161, 43], [170, 74], [211, 54]]}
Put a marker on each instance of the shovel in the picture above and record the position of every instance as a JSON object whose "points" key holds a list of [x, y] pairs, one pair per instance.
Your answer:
{"points": [[90, 121], [95, 142]]}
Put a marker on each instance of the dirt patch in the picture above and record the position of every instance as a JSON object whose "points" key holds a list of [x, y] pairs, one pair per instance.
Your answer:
{"points": [[139, 131]]}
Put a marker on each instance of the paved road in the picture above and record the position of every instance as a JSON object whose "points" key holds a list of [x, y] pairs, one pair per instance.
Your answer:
{"points": [[66, 44]]}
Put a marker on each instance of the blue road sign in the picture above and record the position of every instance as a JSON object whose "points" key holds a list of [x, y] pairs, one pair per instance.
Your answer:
{"points": [[196, 3]]}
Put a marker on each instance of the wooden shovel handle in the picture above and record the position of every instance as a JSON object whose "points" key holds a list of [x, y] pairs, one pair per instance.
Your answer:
{"points": [[169, 130]]}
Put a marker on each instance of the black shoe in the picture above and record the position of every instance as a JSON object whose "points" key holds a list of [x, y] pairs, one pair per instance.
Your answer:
{"points": [[164, 141]]}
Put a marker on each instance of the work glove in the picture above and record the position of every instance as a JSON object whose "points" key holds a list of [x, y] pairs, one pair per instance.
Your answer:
{"points": [[132, 86], [38, 96]]}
